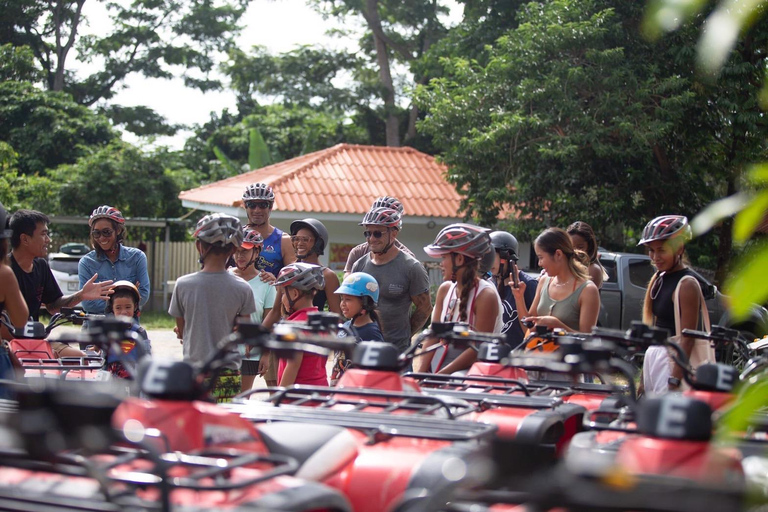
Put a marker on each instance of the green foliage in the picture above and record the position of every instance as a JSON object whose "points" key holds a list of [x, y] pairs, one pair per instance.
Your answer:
{"points": [[46, 128], [149, 37], [18, 63], [567, 119]]}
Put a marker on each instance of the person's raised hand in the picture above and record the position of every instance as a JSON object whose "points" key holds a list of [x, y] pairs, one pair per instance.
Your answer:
{"points": [[97, 291]]}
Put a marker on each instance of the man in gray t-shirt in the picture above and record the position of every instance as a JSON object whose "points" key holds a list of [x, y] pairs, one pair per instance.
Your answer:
{"points": [[402, 279]]}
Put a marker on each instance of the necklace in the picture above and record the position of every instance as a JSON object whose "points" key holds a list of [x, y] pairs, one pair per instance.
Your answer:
{"points": [[561, 284]]}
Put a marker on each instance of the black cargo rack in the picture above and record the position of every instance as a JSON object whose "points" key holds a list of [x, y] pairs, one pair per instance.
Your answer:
{"points": [[566, 388], [485, 400], [377, 425], [465, 382], [360, 399], [64, 364], [206, 464]]}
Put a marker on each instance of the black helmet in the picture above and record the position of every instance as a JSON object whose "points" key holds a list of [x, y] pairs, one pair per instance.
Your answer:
{"points": [[316, 227], [4, 219], [505, 244]]}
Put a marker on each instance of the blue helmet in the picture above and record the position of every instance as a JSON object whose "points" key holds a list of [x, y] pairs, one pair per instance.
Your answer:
{"points": [[360, 284]]}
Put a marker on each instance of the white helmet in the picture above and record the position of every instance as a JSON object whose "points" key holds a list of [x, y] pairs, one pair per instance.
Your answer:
{"points": [[219, 229]]}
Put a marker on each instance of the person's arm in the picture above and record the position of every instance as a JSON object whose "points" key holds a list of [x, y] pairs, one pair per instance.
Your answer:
{"points": [[15, 305], [331, 285], [355, 254], [90, 291], [689, 318], [523, 311], [589, 307], [86, 269], [596, 274], [423, 308], [179, 329], [486, 312], [289, 255], [142, 278], [271, 318], [422, 364], [292, 366]]}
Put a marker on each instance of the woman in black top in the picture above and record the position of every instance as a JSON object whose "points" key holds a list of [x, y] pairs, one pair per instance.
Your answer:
{"points": [[665, 239]]}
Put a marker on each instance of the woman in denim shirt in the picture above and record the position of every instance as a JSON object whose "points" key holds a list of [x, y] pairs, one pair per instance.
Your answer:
{"points": [[110, 259]]}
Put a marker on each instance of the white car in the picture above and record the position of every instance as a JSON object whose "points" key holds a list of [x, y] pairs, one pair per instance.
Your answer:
{"points": [[64, 266]]}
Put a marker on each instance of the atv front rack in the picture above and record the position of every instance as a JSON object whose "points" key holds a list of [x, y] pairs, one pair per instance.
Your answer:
{"points": [[470, 382], [367, 399], [379, 425], [119, 471], [62, 364]]}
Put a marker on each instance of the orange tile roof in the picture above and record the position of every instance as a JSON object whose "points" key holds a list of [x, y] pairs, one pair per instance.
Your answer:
{"points": [[345, 178]]}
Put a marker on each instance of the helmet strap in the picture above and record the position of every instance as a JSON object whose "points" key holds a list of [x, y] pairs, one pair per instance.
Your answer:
{"points": [[454, 267], [203, 253], [389, 245]]}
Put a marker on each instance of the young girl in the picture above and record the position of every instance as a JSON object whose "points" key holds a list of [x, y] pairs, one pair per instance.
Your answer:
{"points": [[583, 239], [125, 302], [665, 239], [566, 297], [463, 297], [245, 260], [300, 282]]}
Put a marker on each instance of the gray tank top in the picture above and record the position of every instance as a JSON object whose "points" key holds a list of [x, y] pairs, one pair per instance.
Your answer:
{"points": [[566, 310]]}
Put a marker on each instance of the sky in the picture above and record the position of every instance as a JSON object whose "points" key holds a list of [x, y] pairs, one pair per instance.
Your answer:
{"points": [[279, 25]]}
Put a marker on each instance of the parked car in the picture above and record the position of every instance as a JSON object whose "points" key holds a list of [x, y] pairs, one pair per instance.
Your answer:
{"points": [[623, 292], [64, 266]]}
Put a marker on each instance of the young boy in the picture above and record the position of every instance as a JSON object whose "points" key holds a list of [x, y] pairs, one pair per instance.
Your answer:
{"points": [[300, 282], [208, 303]]}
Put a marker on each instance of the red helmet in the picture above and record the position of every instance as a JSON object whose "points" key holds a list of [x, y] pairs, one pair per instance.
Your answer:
{"points": [[302, 276], [106, 212], [666, 227], [251, 239], [467, 239]]}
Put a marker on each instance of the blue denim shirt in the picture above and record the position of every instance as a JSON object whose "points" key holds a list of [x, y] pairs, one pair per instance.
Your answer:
{"points": [[131, 265]]}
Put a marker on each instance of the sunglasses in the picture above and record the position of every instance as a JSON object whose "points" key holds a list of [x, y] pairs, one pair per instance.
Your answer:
{"points": [[263, 205], [301, 239], [98, 233], [374, 234], [657, 284]]}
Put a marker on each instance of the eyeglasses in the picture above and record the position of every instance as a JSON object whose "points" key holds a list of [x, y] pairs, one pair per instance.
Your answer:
{"points": [[98, 233], [263, 205], [301, 239], [374, 234]]}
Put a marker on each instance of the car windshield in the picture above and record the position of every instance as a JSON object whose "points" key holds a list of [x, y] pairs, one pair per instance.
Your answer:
{"points": [[67, 265]]}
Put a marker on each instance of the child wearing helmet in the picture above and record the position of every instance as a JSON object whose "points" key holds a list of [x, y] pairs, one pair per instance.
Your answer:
{"points": [[124, 301], [310, 239], [673, 301], [462, 297], [110, 258], [359, 294], [300, 282], [208, 304], [246, 256]]}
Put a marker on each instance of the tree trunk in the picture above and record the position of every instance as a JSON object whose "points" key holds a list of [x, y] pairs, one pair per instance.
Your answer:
{"points": [[63, 47], [726, 241], [385, 75]]}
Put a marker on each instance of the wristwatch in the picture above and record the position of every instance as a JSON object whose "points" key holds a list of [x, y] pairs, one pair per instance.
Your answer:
{"points": [[673, 382]]}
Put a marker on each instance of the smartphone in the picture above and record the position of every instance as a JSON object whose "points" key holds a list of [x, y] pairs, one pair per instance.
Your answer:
{"points": [[515, 276]]}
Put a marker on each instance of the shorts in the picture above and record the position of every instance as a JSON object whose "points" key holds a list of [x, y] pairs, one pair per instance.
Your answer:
{"points": [[57, 347], [250, 367], [272, 372], [227, 385]]}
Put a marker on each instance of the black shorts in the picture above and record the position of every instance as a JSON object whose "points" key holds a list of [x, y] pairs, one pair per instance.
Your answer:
{"points": [[249, 367]]}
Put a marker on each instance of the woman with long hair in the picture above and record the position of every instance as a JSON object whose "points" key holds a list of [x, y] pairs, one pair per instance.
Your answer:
{"points": [[566, 297], [673, 301], [583, 239], [463, 297], [110, 259]]}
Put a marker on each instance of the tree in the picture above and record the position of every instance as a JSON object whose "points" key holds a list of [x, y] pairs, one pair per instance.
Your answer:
{"points": [[47, 128], [397, 32], [570, 118], [150, 37]]}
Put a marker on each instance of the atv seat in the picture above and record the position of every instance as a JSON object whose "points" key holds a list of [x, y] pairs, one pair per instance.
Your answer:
{"points": [[321, 450]]}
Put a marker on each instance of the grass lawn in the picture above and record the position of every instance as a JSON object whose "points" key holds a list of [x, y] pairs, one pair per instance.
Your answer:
{"points": [[157, 320]]}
